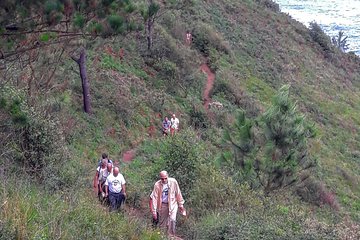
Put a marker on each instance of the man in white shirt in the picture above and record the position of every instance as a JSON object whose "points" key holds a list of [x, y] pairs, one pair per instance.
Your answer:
{"points": [[174, 124], [165, 200], [115, 189]]}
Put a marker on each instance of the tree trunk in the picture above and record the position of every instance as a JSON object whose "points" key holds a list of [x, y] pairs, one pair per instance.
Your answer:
{"points": [[81, 61], [149, 33]]}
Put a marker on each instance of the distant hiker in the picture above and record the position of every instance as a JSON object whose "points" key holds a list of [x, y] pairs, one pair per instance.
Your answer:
{"points": [[174, 124], [105, 156], [115, 189], [188, 38], [166, 126], [165, 200]]}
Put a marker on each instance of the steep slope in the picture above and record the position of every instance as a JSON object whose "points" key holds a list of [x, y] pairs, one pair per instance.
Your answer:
{"points": [[253, 49], [270, 49]]}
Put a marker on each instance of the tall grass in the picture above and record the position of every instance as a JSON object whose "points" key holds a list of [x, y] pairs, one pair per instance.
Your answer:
{"points": [[30, 213]]}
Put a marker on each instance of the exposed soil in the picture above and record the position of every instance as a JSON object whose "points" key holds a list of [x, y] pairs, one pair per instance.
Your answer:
{"points": [[129, 155], [209, 84]]}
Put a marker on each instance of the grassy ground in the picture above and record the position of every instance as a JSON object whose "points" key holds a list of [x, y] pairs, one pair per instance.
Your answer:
{"points": [[253, 49]]}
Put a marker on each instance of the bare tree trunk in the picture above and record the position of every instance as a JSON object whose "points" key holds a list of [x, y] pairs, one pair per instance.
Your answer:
{"points": [[81, 61], [149, 33]]}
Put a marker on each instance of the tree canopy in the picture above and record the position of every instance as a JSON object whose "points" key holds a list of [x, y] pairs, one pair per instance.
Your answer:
{"points": [[30, 24]]}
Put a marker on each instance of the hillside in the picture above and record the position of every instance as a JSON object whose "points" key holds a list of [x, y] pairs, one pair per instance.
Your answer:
{"points": [[50, 148]]}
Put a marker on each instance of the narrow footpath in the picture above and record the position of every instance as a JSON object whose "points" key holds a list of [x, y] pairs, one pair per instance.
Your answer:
{"points": [[209, 85], [128, 156]]}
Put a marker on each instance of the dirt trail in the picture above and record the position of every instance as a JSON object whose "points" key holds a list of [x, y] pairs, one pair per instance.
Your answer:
{"points": [[129, 155], [209, 84]]}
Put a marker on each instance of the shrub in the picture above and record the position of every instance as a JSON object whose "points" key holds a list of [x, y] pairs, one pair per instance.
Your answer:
{"points": [[270, 5], [198, 118], [213, 59], [315, 192], [205, 38], [319, 36], [215, 191], [180, 156], [34, 139]]}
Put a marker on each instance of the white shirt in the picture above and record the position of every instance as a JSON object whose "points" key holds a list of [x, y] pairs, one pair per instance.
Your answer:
{"points": [[115, 183], [174, 123], [103, 173], [164, 194]]}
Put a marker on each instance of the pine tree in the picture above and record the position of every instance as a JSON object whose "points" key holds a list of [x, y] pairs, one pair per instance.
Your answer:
{"points": [[272, 151], [153, 10], [26, 27]]}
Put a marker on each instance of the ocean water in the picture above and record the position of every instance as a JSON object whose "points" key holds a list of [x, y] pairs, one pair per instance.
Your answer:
{"points": [[331, 15]]}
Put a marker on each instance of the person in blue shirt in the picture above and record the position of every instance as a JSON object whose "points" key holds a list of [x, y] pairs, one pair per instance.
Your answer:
{"points": [[166, 126]]}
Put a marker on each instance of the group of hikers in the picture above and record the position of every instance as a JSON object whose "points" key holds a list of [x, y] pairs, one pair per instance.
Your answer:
{"points": [[110, 183], [170, 126], [164, 201]]}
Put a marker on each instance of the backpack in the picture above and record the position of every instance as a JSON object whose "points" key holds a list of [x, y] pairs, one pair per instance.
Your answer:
{"points": [[99, 163]]}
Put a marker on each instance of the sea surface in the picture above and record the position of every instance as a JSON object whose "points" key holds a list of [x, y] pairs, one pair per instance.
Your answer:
{"points": [[331, 15]]}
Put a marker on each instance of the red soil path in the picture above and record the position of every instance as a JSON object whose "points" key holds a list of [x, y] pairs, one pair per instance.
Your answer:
{"points": [[129, 155], [209, 84]]}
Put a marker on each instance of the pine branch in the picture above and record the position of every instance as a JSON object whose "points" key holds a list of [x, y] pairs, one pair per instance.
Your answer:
{"points": [[38, 45]]}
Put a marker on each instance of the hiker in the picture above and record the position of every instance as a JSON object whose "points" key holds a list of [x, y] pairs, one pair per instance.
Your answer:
{"points": [[115, 189], [102, 179], [104, 156], [109, 168], [166, 126], [102, 175], [174, 124], [101, 165], [165, 200], [188, 38]]}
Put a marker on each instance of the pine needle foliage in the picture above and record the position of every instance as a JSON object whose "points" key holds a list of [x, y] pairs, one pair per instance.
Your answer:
{"points": [[319, 36], [24, 22], [272, 151]]}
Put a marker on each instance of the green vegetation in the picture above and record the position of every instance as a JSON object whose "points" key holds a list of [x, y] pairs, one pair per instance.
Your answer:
{"points": [[272, 152], [261, 183]]}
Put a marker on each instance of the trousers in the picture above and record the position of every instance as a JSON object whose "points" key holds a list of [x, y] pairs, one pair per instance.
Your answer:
{"points": [[167, 220], [116, 199]]}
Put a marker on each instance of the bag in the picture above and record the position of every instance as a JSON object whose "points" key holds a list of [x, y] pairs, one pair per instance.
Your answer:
{"points": [[155, 222], [109, 161]]}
